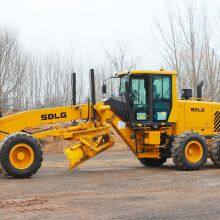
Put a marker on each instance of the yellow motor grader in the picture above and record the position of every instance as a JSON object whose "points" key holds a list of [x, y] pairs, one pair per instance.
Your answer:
{"points": [[146, 114]]}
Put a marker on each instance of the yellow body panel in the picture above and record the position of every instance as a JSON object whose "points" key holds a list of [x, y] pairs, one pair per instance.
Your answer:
{"points": [[153, 137], [150, 72], [35, 118], [195, 115], [146, 72]]}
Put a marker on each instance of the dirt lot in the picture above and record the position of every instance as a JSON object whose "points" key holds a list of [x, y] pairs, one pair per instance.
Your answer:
{"points": [[111, 186]]}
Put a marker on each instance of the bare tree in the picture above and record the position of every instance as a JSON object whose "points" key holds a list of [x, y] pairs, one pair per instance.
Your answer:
{"points": [[187, 48], [12, 69], [35, 80], [118, 59], [49, 79]]}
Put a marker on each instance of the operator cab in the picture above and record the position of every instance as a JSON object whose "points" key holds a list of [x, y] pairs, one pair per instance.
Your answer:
{"points": [[145, 97]]}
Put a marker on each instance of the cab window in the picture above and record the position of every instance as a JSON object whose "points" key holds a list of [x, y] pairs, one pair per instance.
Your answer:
{"points": [[138, 87], [122, 84], [161, 87]]}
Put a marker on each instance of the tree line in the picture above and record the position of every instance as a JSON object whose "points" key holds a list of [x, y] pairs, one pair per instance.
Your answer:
{"points": [[35, 80], [31, 80]]}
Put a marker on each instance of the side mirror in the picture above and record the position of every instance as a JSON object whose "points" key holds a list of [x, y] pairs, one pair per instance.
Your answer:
{"points": [[104, 89]]}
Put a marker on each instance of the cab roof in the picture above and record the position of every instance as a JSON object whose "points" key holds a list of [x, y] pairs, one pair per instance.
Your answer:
{"points": [[147, 72]]}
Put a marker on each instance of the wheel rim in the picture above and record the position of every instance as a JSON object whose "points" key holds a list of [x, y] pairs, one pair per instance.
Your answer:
{"points": [[21, 156], [194, 151]]}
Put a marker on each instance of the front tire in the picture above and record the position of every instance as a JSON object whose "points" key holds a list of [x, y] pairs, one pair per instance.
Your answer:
{"points": [[20, 155], [189, 151]]}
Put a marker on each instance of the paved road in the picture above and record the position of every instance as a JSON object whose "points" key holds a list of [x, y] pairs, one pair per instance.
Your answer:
{"points": [[111, 186]]}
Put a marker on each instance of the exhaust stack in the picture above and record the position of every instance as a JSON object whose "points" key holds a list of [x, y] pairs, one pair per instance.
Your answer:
{"points": [[92, 89], [199, 89], [73, 88]]}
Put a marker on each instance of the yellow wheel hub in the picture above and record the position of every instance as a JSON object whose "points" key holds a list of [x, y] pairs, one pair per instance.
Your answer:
{"points": [[194, 151], [21, 156]]}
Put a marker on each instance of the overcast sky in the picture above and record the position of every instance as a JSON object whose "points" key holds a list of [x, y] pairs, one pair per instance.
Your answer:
{"points": [[89, 25]]}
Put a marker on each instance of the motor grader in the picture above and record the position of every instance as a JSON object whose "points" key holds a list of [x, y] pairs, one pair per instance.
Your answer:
{"points": [[146, 114]]}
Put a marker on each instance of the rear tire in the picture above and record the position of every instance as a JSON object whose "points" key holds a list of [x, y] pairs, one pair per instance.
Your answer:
{"points": [[215, 151], [150, 162], [20, 155], [189, 151]]}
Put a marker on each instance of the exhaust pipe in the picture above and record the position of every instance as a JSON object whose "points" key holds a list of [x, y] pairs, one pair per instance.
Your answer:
{"points": [[92, 89], [92, 86], [73, 88], [199, 89]]}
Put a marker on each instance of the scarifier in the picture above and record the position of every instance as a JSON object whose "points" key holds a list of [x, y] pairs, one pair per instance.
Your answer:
{"points": [[146, 114]]}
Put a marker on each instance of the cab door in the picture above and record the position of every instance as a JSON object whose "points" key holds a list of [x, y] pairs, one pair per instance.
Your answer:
{"points": [[162, 97]]}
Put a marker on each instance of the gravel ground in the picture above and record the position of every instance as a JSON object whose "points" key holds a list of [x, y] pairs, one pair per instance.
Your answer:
{"points": [[111, 186]]}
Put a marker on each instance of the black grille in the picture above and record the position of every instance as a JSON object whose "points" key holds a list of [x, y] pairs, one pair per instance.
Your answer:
{"points": [[217, 122]]}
